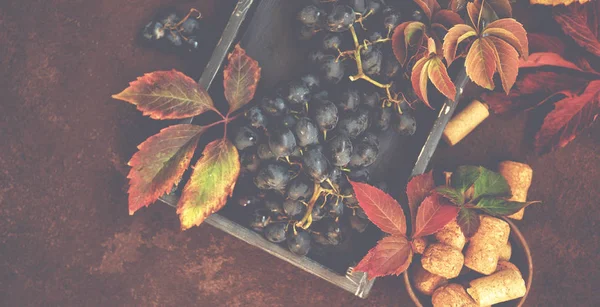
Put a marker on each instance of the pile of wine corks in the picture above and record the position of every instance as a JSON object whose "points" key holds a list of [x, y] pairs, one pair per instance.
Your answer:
{"points": [[455, 271]]}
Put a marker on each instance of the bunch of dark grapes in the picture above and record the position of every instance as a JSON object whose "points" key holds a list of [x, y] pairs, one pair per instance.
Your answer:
{"points": [[174, 31]]}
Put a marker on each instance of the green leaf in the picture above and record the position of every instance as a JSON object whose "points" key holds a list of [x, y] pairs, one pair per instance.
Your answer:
{"points": [[451, 194], [468, 220], [464, 177], [490, 184], [502, 207], [211, 183]]}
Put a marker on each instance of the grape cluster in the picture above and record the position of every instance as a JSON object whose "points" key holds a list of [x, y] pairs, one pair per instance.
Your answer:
{"points": [[172, 30]]}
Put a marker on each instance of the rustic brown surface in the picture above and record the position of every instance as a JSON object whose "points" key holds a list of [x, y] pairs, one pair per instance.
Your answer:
{"points": [[66, 238]]}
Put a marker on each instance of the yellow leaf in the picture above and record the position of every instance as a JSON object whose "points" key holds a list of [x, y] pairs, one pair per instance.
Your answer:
{"points": [[558, 2]]}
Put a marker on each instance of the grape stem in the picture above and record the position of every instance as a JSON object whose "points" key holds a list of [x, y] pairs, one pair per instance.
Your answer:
{"points": [[306, 221]]}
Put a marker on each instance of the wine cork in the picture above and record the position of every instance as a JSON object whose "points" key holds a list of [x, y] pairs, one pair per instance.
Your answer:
{"points": [[499, 287], [505, 252], [505, 265], [464, 122], [483, 251], [518, 176], [443, 260], [452, 235], [419, 245], [426, 282], [452, 295]]}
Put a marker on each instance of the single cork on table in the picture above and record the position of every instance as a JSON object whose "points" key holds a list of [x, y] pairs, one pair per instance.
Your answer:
{"points": [[452, 295], [483, 252], [518, 176], [464, 122], [452, 235], [505, 252], [443, 260], [499, 287], [426, 282]]}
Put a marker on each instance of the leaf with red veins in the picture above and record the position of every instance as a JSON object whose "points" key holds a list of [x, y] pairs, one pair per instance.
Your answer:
{"points": [[505, 36], [398, 43], [473, 13], [419, 79], [440, 78], [571, 115], [160, 162], [381, 209], [453, 38], [481, 63], [507, 62], [545, 43], [167, 95], [581, 23], [516, 28], [541, 59], [434, 213], [240, 78], [391, 256], [417, 189]]}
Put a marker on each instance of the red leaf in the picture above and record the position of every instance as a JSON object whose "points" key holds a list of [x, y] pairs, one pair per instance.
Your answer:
{"points": [[547, 59], [434, 213], [446, 18], [439, 77], [417, 189], [240, 78], [558, 2], [571, 115], [502, 8], [167, 95], [507, 62], [545, 43], [429, 7], [453, 38], [581, 23], [211, 182], [398, 44], [391, 255], [480, 63], [419, 79], [516, 28], [382, 209], [457, 5], [473, 13], [160, 162]]}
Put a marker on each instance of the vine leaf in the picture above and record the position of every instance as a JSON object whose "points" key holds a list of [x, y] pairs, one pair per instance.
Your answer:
{"points": [[501, 207], [160, 162], [382, 209], [240, 78], [391, 255], [431, 67], [465, 176], [211, 182], [434, 213], [581, 22], [167, 95], [417, 189], [468, 221], [490, 184], [451, 194], [558, 2]]}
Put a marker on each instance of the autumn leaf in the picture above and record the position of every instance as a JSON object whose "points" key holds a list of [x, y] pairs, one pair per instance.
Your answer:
{"points": [[240, 78], [429, 7], [381, 209], [451, 194], [571, 115], [417, 189], [501, 8], [391, 255], [159, 164], [468, 221], [501, 207], [558, 2], [431, 67], [581, 22], [434, 213], [210, 184], [455, 37], [167, 95]]}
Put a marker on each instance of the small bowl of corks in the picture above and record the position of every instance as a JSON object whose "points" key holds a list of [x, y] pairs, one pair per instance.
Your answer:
{"points": [[493, 267]]}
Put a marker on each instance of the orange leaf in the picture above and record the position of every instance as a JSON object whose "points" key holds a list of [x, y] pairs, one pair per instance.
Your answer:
{"points": [[507, 62], [167, 95], [240, 78], [453, 38], [439, 77], [446, 18], [429, 7], [473, 12], [506, 36], [514, 27], [558, 2], [481, 63], [502, 8], [160, 163], [212, 181], [414, 32], [419, 78], [391, 255], [398, 43]]}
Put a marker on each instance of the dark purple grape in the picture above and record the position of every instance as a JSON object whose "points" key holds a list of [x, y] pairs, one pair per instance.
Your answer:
{"points": [[315, 164], [249, 161], [282, 142], [311, 81], [322, 95], [369, 138], [298, 93], [359, 6], [341, 18], [317, 56], [306, 132], [406, 124], [358, 224], [374, 5], [300, 188], [189, 26], [320, 238], [364, 155], [274, 204], [299, 243], [332, 42], [293, 208], [193, 43], [245, 137], [349, 198], [348, 100], [289, 121], [382, 118], [371, 61], [310, 15], [333, 232], [274, 106], [259, 221], [318, 212], [417, 15], [264, 152], [275, 232], [273, 176], [248, 201], [340, 150], [332, 70], [390, 65], [361, 213], [174, 38], [354, 123], [325, 114], [391, 18], [153, 31], [335, 207], [375, 36], [371, 99], [359, 175], [256, 117]]}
